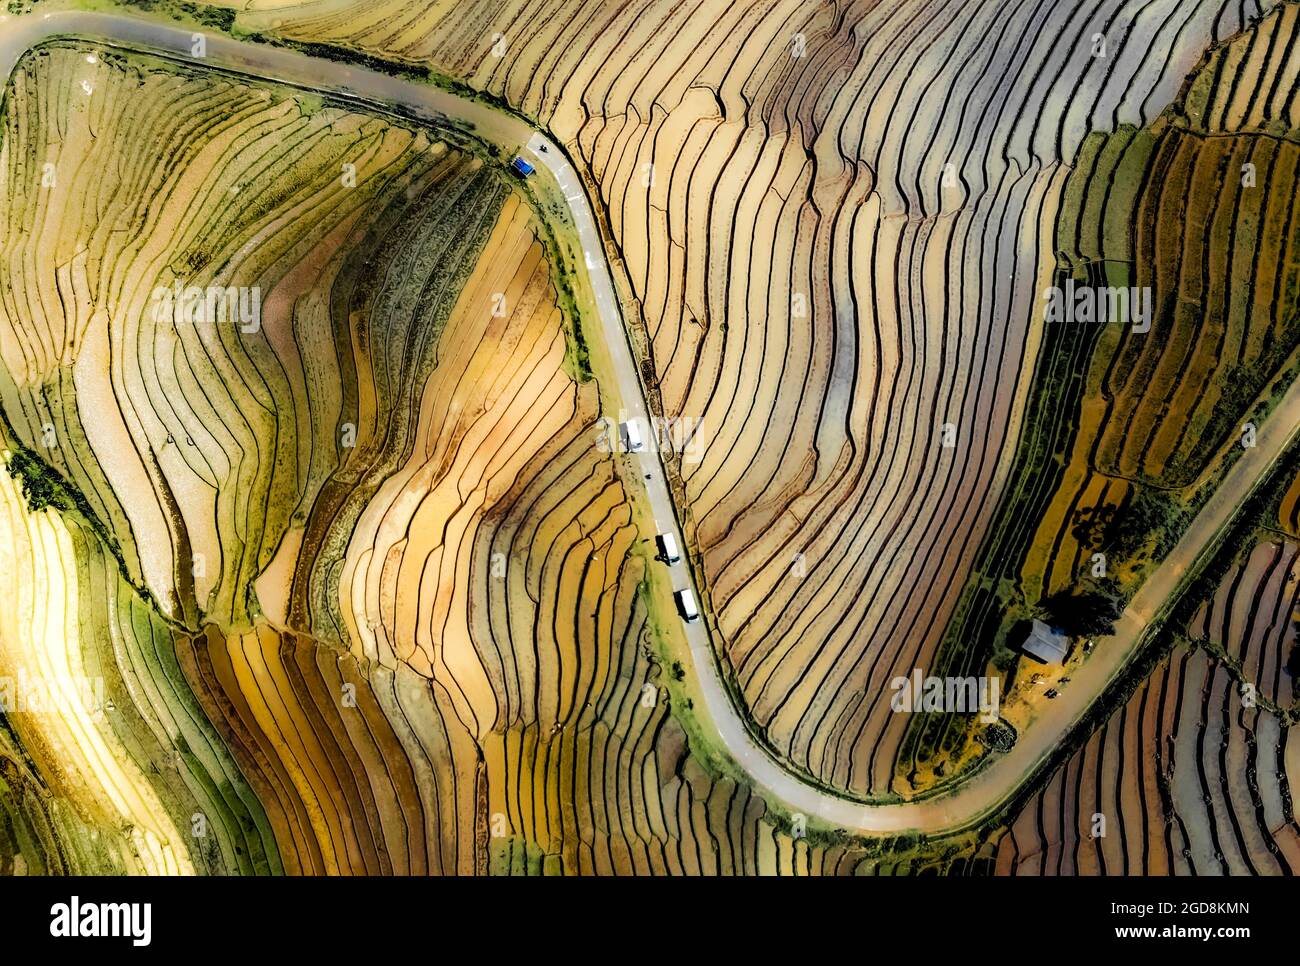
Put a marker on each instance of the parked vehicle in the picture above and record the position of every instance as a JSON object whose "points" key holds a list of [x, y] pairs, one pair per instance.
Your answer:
{"points": [[667, 544], [686, 605], [631, 434]]}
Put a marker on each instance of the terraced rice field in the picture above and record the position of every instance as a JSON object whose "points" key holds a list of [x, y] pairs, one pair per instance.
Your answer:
{"points": [[366, 598], [830, 261], [1182, 780], [1194, 775], [1132, 428]]}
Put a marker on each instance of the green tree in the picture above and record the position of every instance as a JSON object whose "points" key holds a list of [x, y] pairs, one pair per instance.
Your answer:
{"points": [[1084, 613]]}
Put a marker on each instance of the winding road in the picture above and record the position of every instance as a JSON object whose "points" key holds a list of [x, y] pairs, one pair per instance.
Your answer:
{"points": [[555, 179]]}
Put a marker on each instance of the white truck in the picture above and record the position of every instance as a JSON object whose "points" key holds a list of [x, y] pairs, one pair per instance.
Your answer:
{"points": [[667, 544], [686, 605], [630, 432]]}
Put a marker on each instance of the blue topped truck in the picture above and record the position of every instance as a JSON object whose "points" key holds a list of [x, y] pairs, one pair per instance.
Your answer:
{"points": [[521, 167]]}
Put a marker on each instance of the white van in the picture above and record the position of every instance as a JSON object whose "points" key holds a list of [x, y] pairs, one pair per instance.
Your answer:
{"points": [[667, 544], [686, 605], [631, 435]]}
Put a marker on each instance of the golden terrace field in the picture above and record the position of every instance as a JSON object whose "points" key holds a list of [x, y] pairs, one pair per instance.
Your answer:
{"points": [[832, 224], [363, 593]]}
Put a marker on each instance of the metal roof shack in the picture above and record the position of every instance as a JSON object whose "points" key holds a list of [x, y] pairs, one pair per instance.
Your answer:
{"points": [[1045, 644]]}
